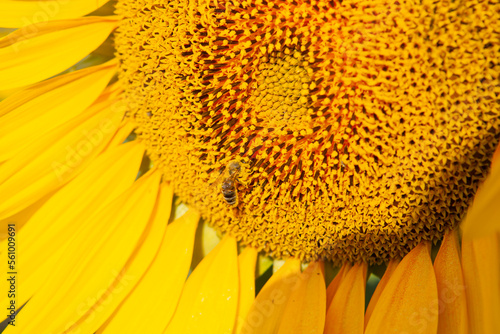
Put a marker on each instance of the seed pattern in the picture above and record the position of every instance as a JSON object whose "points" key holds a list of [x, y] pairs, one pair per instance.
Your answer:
{"points": [[364, 126]]}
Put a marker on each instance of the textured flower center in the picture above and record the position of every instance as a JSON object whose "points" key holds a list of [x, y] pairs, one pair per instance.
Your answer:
{"points": [[281, 90], [358, 128]]}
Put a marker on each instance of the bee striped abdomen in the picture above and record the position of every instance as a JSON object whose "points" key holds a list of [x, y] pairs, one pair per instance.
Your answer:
{"points": [[229, 192]]}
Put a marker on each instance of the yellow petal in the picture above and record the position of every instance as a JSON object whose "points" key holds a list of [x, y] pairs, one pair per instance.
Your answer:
{"points": [[57, 157], [43, 107], [346, 313], [391, 267], [306, 307], [267, 310], [53, 224], [207, 238], [94, 262], [22, 216], [482, 217], [246, 263], [18, 13], [409, 302], [334, 284], [209, 300], [42, 50], [125, 129], [451, 287], [162, 285], [481, 270]]}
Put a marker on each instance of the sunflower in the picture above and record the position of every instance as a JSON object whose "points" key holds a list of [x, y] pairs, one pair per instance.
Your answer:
{"points": [[250, 166]]}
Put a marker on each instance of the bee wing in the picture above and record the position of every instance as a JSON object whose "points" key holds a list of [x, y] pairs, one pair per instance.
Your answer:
{"points": [[210, 189]]}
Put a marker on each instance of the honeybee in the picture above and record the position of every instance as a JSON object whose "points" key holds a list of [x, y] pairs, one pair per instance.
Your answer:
{"points": [[228, 181], [228, 187]]}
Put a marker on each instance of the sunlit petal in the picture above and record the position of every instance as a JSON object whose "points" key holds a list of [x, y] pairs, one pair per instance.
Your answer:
{"points": [[334, 285], [162, 285], [39, 51], [346, 312], [246, 263], [43, 107], [57, 157], [209, 300], [18, 13], [409, 302], [483, 216], [267, 311], [134, 270], [451, 287], [306, 307], [93, 263], [481, 270], [207, 238], [391, 267], [125, 129], [50, 228]]}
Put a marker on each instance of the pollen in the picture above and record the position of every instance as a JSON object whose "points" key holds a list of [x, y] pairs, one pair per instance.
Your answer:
{"points": [[361, 127]]}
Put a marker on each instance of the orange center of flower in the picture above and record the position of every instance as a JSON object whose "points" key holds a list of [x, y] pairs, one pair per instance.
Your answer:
{"points": [[343, 130]]}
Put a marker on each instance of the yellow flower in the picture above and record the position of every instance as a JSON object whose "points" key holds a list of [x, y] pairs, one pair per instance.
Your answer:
{"points": [[349, 134]]}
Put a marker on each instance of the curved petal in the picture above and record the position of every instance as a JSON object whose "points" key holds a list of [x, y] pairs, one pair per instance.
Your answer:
{"points": [[451, 287], [481, 269], [39, 51], [22, 216], [391, 267], [50, 228], [125, 129], [209, 300], [207, 238], [346, 313], [136, 266], [247, 261], [58, 156], [18, 13], [409, 302], [267, 310], [482, 217], [94, 262], [306, 307], [162, 284], [43, 107], [335, 283]]}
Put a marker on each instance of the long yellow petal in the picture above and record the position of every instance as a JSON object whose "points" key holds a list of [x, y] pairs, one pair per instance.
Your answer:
{"points": [[22, 216], [207, 238], [125, 129], [409, 302], [306, 307], [57, 157], [50, 228], [93, 263], [346, 313], [162, 285], [145, 252], [43, 107], [481, 269], [391, 267], [246, 262], [40, 51], [209, 300], [483, 216], [18, 13], [267, 311], [451, 287], [335, 283]]}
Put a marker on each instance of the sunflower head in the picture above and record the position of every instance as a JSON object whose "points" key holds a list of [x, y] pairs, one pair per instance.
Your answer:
{"points": [[362, 127]]}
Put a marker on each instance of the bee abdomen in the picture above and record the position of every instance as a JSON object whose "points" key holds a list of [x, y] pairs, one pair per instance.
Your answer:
{"points": [[230, 197]]}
